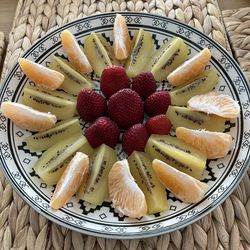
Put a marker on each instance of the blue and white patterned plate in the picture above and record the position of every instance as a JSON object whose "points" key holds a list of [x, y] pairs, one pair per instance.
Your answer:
{"points": [[222, 175]]}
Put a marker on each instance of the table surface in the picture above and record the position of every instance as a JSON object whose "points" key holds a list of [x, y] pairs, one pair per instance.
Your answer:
{"points": [[7, 10], [227, 226]]}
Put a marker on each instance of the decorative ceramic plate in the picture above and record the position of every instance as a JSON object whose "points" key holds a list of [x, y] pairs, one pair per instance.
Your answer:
{"points": [[221, 175]]}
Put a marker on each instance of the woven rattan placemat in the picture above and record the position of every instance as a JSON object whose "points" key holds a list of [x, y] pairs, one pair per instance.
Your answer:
{"points": [[2, 46], [227, 227], [237, 24]]}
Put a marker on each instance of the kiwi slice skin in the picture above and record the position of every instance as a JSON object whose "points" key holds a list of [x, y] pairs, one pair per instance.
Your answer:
{"points": [[96, 189], [167, 58], [143, 47], [141, 169], [204, 83], [109, 49], [43, 140], [184, 117], [177, 154], [56, 93], [73, 80], [53, 176], [97, 54], [57, 154], [61, 108]]}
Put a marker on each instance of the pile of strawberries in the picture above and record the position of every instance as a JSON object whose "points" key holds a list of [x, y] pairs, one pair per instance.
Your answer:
{"points": [[123, 109]]}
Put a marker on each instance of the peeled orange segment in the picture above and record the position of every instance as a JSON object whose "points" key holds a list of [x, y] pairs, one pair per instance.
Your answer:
{"points": [[215, 103], [125, 194], [42, 76], [203, 83], [213, 144], [75, 54], [122, 43], [190, 69], [71, 179], [183, 186], [28, 118]]}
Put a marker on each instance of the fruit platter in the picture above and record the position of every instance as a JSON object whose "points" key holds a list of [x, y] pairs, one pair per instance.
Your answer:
{"points": [[125, 125]]}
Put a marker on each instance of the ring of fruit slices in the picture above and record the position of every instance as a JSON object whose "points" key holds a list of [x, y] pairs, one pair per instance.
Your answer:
{"points": [[129, 71]]}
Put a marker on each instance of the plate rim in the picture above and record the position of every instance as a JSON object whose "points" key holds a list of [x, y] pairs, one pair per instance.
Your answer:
{"points": [[142, 234]]}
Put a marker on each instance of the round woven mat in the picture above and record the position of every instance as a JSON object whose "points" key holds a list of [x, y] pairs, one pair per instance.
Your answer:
{"points": [[237, 24], [2, 46], [227, 227]]}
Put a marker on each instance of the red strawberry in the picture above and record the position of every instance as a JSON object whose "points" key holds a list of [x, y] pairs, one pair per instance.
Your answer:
{"points": [[159, 124], [144, 84], [103, 130], [135, 138], [90, 105], [126, 108], [113, 79], [157, 103]]}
